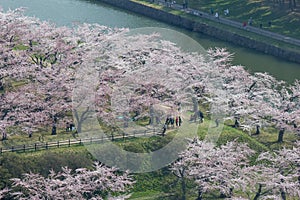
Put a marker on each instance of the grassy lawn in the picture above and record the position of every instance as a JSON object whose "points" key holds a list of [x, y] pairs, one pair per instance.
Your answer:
{"points": [[42, 136], [147, 195], [157, 185], [267, 139], [283, 19], [278, 25]]}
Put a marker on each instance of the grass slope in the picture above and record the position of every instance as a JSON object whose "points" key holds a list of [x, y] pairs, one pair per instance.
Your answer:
{"points": [[160, 184], [284, 20], [277, 25]]}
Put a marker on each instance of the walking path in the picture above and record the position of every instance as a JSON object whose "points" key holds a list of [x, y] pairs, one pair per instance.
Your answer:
{"points": [[229, 22]]}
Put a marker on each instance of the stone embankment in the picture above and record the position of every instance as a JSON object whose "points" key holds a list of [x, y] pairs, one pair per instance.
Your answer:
{"points": [[204, 28]]}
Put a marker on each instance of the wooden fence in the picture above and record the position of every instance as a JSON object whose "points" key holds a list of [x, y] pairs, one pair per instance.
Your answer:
{"points": [[77, 141]]}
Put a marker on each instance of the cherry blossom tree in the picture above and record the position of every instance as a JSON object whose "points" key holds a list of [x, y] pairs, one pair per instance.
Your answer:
{"points": [[39, 62], [212, 168], [258, 99], [99, 183], [286, 164], [275, 175], [3, 192], [36, 71]]}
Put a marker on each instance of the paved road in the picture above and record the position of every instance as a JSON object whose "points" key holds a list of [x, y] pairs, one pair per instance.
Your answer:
{"points": [[229, 22]]}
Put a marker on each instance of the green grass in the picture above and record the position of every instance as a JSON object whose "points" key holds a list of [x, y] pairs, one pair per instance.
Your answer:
{"points": [[156, 185], [245, 33], [20, 47], [147, 195], [266, 140], [42, 136], [277, 26], [284, 21], [229, 134], [269, 136], [13, 165]]}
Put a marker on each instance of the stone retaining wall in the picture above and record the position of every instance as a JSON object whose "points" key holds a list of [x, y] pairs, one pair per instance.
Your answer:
{"points": [[205, 29]]}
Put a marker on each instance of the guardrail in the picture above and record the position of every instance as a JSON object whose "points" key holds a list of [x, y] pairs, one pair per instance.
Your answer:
{"points": [[79, 141]]}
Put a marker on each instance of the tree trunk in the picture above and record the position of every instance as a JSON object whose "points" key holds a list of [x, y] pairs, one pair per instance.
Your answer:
{"points": [[290, 3], [283, 195], [183, 187], [299, 175], [236, 123], [79, 125], [223, 195], [258, 193], [53, 132], [257, 130], [195, 105], [151, 112], [280, 135], [199, 195], [282, 192]]}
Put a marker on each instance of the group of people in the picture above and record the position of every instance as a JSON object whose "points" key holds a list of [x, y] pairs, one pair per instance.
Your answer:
{"points": [[172, 122], [245, 23], [70, 127], [226, 12]]}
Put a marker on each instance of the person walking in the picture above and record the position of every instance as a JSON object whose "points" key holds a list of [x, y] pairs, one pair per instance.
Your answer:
{"points": [[172, 121], [217, 15], [217, 122], [164, 130], [67, 127], [201, 116], [226, 12], [250, 21], [179, 121], [30, 133]]}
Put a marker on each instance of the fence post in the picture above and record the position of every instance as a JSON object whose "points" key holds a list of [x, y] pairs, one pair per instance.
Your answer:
{"points": [[12, 149], [35, 146], [91, 140], [24, 148], [1, 150], [46, 145], [80, 141], [57, 144], [69, 143]]}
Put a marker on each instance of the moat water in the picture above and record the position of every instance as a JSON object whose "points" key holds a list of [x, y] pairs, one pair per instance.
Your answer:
{"points": [[69, 12]]}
